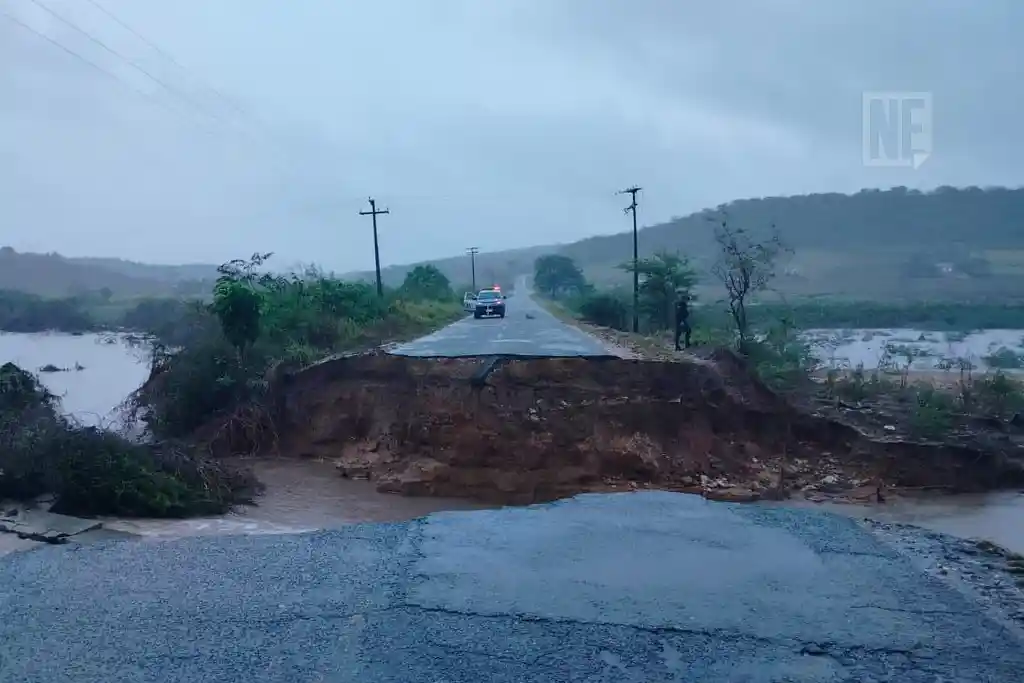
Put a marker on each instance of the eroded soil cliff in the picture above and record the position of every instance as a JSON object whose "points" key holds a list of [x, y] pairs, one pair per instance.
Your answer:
{"points": [[527, 431]]}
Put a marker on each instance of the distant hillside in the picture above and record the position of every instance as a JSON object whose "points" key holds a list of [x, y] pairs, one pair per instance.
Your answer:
{"points": [[147, 271], [870, 219], [53, 275], [497, 267], [873, 244]]}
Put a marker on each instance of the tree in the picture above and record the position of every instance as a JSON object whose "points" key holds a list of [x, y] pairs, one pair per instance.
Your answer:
{"points": [[426, 282], [236, 301], [662, 276], [608, 309], [745, 266], [555, 274]]}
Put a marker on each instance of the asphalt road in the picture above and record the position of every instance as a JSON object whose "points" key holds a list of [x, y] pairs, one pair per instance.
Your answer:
{"points": [[643, 587], [528, 329]]}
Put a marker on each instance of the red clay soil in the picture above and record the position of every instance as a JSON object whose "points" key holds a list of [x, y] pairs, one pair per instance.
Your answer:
{"points": [[538, 430]]}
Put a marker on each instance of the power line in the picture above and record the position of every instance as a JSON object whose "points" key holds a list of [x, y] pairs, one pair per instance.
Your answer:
{"points": [[267, 135], [177, 111], [163, 53], [473, 251], [97, 41], [376, 249], [79, 57], [636, 258]]}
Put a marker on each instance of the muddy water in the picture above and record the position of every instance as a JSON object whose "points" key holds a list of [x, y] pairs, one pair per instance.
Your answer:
{"points": [[998, 517], [304, 496], [110, 370], [300, 496]]}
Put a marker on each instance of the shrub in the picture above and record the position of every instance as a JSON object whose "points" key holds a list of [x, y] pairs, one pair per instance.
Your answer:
{"points": [[95, 472], [607, 309], [1004, 359]]}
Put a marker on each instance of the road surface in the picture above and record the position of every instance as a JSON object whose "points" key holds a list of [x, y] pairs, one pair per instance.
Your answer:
{"points": [[644, 587], [528, 329]]}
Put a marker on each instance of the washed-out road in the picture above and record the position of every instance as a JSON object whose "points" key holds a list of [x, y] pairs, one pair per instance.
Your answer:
{"points": [[527, 330], [642, 587], [636, 587]]}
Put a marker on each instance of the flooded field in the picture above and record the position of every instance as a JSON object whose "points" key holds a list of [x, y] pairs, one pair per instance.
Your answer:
{"points": [[926, 351], [97, 372]]}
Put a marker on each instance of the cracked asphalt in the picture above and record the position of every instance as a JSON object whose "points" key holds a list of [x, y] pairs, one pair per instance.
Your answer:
{"points": [[637, 587], [527, 329]]}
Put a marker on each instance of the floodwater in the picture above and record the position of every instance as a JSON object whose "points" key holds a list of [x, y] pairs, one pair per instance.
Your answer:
{"points": [[309, 495], [868, 347], [997, 517], [110, 370], [301, 495]]}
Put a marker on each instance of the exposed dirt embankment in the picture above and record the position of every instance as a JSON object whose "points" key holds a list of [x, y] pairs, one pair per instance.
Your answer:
{"points": [[536, 430]]}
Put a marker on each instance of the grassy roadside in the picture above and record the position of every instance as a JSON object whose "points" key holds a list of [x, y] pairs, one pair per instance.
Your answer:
{"points": [[655, 346]]}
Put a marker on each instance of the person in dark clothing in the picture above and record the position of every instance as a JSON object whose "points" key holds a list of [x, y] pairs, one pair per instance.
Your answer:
{"points": [[683, 320]]}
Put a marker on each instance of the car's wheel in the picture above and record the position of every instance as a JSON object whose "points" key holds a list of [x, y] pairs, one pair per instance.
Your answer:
{"points": [[502, 316], [476, 314]]}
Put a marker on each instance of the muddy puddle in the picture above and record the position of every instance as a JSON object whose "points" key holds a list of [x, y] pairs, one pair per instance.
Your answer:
{"points": [[997, 517], [309, 495], [300, 496]]}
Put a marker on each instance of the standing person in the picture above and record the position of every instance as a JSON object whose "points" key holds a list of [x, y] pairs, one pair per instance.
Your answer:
{"points": [[683, 319]]}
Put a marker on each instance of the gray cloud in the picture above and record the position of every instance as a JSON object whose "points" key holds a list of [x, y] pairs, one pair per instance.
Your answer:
{"points": [[500, 124]]}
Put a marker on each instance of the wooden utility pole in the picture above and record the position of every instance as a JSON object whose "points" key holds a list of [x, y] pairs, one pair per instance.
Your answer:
{"points": [[473, 251], [376, 248], [636, 259]]}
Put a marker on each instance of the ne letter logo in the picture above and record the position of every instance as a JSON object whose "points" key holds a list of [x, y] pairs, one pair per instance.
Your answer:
{"points": [[897, 128]]}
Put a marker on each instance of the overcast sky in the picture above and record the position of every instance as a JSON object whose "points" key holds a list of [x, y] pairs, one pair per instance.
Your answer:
{"points": [[489, 123]]}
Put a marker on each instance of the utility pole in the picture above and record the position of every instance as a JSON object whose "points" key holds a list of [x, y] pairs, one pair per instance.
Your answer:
{"points": [[473, 251], [376, 248], [636, 259]]}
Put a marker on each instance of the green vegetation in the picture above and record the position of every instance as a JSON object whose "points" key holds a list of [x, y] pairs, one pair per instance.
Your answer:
{"points": [[661, 278], [1005, 359], [212, 390], [612, 307], [97, 472], [558, 276], [222, 372], [20, 312]]}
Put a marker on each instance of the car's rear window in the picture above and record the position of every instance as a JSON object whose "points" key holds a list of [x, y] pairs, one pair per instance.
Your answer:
{"points": [[488, 295]]}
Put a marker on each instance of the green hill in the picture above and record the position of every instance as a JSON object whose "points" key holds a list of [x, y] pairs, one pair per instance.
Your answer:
{"points": [[498, 267], [53, 275], [879, 244]]}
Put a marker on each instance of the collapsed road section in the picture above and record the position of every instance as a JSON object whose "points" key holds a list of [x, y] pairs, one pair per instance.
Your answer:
{"points": [[519, 431]]}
